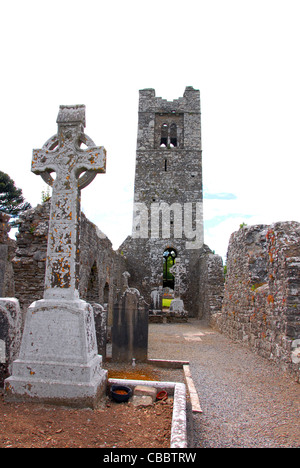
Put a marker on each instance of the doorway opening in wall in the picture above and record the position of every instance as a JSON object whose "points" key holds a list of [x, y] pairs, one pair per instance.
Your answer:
{"points": [[106, 293], [169, 258], [92, 294]]}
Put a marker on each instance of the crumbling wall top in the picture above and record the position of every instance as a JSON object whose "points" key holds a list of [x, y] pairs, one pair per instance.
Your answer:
{"points": [[190, 102]]}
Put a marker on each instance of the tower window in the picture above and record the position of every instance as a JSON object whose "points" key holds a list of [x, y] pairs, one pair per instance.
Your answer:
{"points": [[173, 135], [169, 130], [164, 135], [166, 165]]}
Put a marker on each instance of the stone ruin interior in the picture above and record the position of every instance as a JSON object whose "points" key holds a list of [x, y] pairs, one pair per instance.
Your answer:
{"points": [[163, 277]]}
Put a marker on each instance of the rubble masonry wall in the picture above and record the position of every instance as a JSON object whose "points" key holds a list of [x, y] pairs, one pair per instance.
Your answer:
{"points": [[261, 305]]}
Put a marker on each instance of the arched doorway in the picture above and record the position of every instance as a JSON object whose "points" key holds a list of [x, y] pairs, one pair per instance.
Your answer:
{"points": [[93, 285], [169, 258], [106, 293]]}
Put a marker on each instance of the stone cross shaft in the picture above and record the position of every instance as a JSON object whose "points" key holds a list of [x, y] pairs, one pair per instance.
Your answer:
{"points": [[62, 154], [178, 270]]}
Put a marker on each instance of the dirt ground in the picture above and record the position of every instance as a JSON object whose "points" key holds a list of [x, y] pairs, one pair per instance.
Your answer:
{"points": [[110, 425]]}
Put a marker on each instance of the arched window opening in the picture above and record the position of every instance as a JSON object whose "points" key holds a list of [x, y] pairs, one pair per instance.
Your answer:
{"points": [[169, 130], [173, 135], [169, 258], [164, 136], [106, 293], [93, 285]]}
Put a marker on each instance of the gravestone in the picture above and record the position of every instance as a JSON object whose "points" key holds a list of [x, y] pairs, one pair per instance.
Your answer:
{"points": [[130, 328], [4, 346], [58, 361], [156, 300], [10, 334], [100, 317]]}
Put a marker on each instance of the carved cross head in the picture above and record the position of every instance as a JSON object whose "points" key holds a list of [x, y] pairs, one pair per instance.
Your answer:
{"points": [[63, 154]]}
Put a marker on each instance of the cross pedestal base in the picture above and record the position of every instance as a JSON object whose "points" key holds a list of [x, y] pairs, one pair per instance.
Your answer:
{"points": [[58, 361]]}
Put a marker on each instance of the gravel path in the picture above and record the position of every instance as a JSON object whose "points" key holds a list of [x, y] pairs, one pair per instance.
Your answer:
{"points": [[247, 401]]}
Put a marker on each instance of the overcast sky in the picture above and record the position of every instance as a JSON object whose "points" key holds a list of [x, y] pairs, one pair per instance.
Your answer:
{"points": [[242, 55]]}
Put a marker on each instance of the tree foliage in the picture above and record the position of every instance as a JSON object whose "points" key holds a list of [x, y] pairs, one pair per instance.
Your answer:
{"points": [[12, 201]]}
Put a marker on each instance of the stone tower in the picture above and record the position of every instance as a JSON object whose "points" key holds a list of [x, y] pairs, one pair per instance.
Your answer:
{"points": [[168, 219], [168, 158]]}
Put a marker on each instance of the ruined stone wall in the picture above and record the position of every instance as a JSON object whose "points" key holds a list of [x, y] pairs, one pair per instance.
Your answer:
{"points": [[101, 268], [207, 285], [137, 254], [261, 306], [145, 264], [7, 251], [202, 287], [30, 260]]}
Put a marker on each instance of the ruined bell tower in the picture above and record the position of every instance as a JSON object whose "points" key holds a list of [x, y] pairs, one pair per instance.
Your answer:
{"points": [[168, 157], [168, 193]]}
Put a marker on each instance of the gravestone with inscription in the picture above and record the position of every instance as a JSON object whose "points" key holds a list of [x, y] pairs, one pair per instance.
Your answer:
{"points": [[58, 361]]}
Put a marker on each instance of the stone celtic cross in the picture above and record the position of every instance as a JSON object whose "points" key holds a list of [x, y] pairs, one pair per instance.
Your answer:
{"points": [[75, 168], [178, 270]]}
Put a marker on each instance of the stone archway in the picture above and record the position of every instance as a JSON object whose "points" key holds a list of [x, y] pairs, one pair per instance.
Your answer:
{"points": [[92, 294], [106, 293], [169, 258]]}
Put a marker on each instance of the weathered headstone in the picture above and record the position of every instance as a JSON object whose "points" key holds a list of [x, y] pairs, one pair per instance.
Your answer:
{"points": [[130, 328], [156, 300], [58, 361], [10, 334], [100, 317]]}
